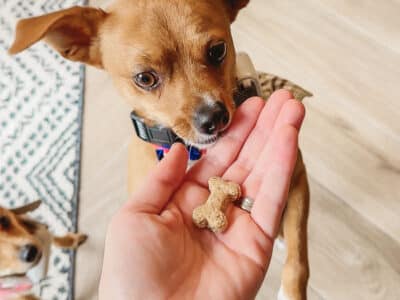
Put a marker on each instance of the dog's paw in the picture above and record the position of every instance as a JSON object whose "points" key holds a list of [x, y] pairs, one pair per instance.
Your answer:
{"points": [[280, 244], [282, 295]]}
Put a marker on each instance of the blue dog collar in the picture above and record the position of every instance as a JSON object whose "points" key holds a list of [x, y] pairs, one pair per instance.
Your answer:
{"points": [[194, 153]]}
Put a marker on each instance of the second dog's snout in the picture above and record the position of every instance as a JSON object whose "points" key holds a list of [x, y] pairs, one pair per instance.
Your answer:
{"points": [[29, 253], [211, 119]]}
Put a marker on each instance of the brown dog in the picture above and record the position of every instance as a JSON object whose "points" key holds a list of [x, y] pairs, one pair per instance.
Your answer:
{"points": [[23, 244], [174, 62]]}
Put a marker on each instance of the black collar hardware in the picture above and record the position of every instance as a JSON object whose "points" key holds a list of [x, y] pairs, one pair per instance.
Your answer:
{"points": [[164, 136], [156, 134]]}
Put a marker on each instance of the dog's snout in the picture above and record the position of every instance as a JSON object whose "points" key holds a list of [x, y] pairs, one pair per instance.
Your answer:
{"points": [[211, 119], [29, 253]]}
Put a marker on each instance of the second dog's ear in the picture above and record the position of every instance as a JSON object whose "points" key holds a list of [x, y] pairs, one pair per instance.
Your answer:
{"points": [[72, 32], [26, 208], [234, 6]]}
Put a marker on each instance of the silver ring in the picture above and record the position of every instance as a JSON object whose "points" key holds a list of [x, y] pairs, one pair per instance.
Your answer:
{"points": [[245, 203]]}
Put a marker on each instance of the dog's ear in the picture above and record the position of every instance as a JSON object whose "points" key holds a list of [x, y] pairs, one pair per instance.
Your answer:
{"points": [[72, 32], [234, 6], [26, 208]]}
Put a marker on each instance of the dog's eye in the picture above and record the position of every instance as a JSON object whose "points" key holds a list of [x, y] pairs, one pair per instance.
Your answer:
{"points": [[216, 52], [5, 223], [147, 80]]}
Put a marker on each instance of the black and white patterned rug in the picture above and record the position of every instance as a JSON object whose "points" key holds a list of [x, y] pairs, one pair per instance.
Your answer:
{"points": [[40, 132]]}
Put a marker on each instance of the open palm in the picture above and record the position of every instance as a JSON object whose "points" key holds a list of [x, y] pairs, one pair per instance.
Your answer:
{"points": [[153, 250]]}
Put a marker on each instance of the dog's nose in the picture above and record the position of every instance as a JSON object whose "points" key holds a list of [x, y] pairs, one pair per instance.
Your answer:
{"points": [[210, 119], [29, 253]]}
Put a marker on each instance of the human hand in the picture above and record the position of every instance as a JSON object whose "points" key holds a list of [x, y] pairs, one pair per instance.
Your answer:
{"points": [[153, 250]]}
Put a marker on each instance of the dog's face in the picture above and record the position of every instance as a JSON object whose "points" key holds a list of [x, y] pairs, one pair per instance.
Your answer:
{"points": [[172, 60], [20, 250], [177, 66]]}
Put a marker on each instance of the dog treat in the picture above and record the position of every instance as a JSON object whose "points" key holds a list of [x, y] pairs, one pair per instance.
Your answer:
{"points": [[212, 213]]}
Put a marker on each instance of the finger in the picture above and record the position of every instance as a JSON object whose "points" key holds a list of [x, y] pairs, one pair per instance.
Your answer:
{"points": [[292, 114], [162, 182], [220, 156], [278, 168], [258, 137], [243, 231]]}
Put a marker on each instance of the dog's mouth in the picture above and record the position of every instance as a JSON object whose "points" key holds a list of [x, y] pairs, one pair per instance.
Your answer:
{"points": [[8, 278], [17, 283], [14, 284], [203, 142]]}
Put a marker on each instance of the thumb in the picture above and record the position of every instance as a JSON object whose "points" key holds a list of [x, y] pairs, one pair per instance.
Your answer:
{"points": [[157, 189]]}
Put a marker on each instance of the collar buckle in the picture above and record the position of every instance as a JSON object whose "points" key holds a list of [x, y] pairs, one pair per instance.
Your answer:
{"points": [[153, 134]]}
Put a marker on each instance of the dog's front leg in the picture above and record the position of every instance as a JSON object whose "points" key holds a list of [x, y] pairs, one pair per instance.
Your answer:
{"points": [[296, 270]]}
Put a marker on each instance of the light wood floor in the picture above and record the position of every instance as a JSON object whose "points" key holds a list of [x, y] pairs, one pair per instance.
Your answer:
{"points": [[348, 54]]}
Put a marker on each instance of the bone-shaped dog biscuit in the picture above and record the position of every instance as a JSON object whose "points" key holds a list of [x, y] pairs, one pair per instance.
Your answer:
{"points": [[212, 213]]}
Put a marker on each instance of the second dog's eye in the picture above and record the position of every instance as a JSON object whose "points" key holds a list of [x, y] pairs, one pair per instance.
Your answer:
{"points": [[216, 52], [5, 222], [147, 80]]}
